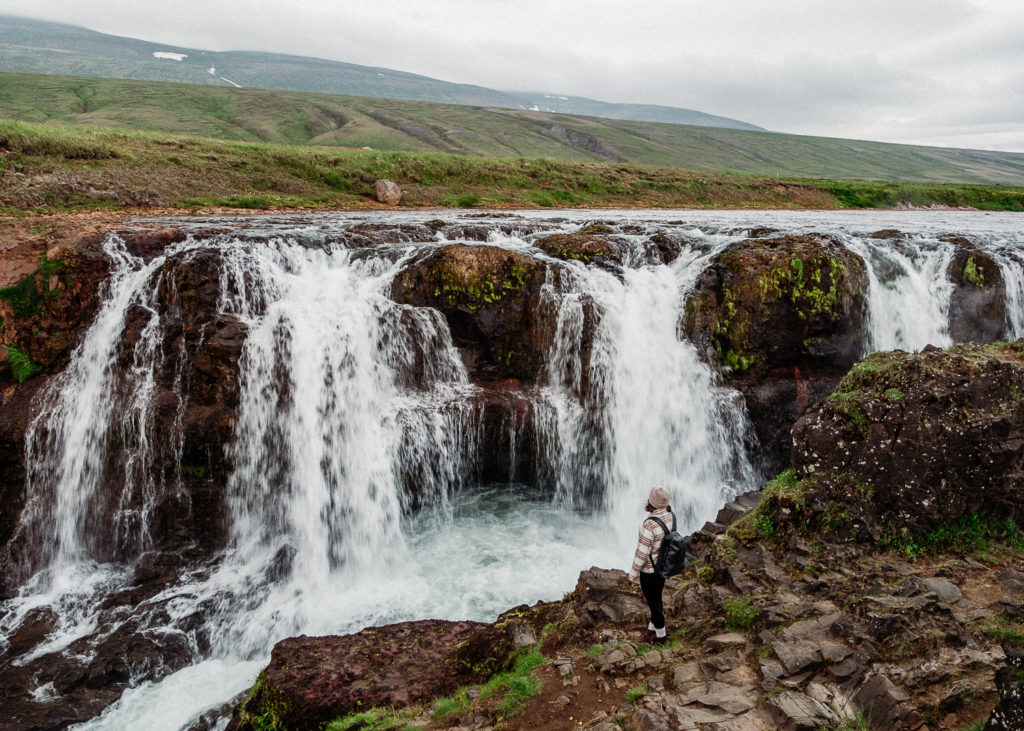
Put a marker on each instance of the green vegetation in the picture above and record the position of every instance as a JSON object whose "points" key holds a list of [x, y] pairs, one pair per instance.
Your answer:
{"points": [[516, 685], [21, 365], [758, 524], [24, 298], [1004, 630], [974, 274], [77, 167], [456, 705], [706, 573], [302, 118], [811, 285], [595, 650], [375, 719], [636, 693], [975, 535], [740, 614]]}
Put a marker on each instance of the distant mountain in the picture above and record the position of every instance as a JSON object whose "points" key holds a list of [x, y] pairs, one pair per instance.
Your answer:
{"points": [[33, 46], [637, 112]]}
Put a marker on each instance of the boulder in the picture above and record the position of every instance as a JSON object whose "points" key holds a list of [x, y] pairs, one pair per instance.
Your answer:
{"points": [[493, 302], [932, 437], [606, 595], [977, 305], [387, 192], [310, 681], [589, 245], [780, 303]]}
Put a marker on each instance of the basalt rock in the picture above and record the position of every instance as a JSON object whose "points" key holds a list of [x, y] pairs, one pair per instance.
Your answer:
{"points": [[977, 306], [493, 301], [590, 244], [312, 680], [933, 437], [780, 303]]}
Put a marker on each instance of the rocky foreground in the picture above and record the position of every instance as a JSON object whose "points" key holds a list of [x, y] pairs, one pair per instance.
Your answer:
{"points": [[849, 594]]}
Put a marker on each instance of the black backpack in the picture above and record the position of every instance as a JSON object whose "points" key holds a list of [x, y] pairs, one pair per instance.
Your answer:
{"points": [[672, 554]]}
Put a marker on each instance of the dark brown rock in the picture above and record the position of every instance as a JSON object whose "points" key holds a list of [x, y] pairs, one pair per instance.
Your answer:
{"points": [[606, 595], [491, 298], [792, 301], [1009, 712], [311, 681], [886, 705], [932, 437], [590, 245], [977, 306]]}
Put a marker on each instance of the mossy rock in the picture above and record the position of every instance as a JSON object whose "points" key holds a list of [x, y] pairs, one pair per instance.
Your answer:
{"points": [[491, 298], [589, 245], [977, 306], [792, 301]]}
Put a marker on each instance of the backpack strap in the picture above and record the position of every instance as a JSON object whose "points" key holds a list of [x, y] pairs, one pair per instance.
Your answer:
{"points": [[665, 532]]}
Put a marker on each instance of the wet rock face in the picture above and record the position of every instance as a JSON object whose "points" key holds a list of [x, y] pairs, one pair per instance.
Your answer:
{"points": [[46, 312], [977, 307], [493, 302], [935, 436], [198, 379], [793, 301], [589, 245], [313, 680]]}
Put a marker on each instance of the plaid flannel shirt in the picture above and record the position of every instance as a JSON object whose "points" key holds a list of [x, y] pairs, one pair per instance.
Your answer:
{"points": [[649, 544]]}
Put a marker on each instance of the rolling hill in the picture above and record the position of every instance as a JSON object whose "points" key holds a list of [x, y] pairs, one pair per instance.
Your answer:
{"points": [[303, 118], [32, 46]]}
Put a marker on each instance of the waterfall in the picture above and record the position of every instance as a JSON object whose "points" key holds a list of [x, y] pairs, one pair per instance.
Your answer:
{"points": [[908, 292], [651, 412], [354, 495]]}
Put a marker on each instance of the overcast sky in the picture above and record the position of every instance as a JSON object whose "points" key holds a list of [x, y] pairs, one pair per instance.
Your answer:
{"points": [[936, 72]]}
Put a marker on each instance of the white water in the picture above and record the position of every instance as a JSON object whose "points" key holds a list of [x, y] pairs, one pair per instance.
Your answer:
{"points": [[318, 488]]}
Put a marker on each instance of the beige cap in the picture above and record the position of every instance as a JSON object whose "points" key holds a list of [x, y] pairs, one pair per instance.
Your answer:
{"points": [[659, 497]]}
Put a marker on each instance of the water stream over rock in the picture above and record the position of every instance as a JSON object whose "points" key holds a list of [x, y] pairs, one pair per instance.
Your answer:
{"points": [[315, 424]]}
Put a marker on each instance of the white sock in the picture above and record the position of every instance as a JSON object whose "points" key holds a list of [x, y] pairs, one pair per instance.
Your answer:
{"points": [[659, 633], [650, 626]]}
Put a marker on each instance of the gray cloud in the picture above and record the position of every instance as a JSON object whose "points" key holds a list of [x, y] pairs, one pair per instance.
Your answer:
{"points": [[922, 71]]}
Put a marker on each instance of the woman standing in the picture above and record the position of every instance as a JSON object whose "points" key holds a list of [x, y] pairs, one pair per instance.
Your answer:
{"points": [[646, 556]]}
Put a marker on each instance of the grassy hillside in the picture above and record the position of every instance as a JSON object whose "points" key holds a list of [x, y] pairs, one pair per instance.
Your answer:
{"points": [[47, 167], [317, 119], [33, 46]]}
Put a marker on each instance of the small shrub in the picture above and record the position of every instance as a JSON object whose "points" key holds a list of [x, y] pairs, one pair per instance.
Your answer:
{"points": [[706, 573], [763, 523], [740, 614]]}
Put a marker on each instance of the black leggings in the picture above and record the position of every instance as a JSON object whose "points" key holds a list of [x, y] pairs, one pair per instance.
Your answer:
{"points": [[652, 585]]}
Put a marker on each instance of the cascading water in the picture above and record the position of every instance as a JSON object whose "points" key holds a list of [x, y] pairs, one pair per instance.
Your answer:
{"points": [[353, 497], [908, 303]]}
